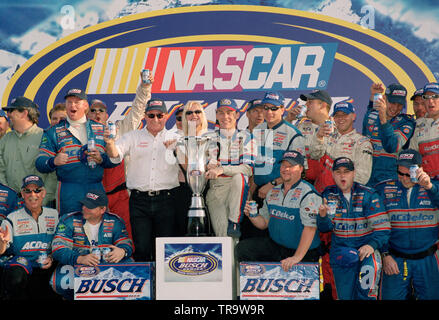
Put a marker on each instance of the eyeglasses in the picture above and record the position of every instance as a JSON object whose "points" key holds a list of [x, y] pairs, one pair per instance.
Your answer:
{"points": [[403, 174], [96, 110], [273, 108], [427, 97], [178, 118], [28, 191], [153, 115], [188, 113]]}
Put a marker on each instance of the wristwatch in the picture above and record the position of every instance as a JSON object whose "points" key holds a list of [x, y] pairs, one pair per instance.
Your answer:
{"points": [[273, 182], [385, 254], [126, 252]]}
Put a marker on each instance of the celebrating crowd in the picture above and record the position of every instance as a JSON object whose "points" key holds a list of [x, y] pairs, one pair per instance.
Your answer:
{"points": [[364, 204]]}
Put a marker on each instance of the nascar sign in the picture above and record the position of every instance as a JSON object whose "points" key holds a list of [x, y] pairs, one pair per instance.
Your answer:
{"points": [[269, 281], [217, 51]]}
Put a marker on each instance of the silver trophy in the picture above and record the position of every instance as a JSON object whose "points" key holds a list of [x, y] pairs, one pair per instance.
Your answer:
{"points": [[196, 150]]}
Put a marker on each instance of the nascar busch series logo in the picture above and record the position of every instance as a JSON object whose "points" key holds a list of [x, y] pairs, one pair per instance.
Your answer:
{"points": [[193, 264]]}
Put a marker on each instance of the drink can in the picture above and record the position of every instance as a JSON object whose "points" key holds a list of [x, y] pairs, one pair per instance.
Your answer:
{"points": [[329, 123], [413, 170], [332, 204], [42, 258], [97, 252], [91, 146], [253, 209], [145, 76], [376, 96], [112, 129], [302, 113], [105, 251]]}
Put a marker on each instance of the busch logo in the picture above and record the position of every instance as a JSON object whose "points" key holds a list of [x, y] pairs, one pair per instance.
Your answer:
{"points": [[277, 285], [109, 286]]}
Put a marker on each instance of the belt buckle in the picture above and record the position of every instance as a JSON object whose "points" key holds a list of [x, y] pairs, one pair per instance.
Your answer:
{"points": [[152, 193]]}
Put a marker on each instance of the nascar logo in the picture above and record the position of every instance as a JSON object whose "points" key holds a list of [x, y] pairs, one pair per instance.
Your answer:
{"points": [[193, 264]]}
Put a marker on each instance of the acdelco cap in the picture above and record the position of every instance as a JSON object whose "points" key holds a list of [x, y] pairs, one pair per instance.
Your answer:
{"points": [[343, 162], [76, 93], [409, 157], [396, 93]]}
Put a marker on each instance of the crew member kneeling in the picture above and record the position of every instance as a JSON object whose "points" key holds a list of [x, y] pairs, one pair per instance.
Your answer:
{"points": [[289, 212]]}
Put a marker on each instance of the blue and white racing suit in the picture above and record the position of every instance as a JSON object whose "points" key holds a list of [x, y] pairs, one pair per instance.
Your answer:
{"points": [[71, 241], [413, 238], [360, 221]]}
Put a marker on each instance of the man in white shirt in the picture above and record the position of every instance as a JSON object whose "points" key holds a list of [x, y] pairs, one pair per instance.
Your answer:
{"points": [[151, 175]]}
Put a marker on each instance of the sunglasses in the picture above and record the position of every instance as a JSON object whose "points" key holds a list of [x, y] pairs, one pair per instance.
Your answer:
{"points": [[28, 191], [153, 115], [427, 97], [273, 108], [96, 110], [178, 118], [188, 113], [403, 174]]}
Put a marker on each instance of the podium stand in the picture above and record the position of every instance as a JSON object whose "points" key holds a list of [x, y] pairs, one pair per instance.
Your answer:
{"points": [[195, 268]]}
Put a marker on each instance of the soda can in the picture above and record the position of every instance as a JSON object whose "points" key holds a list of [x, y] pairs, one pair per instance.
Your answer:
{"points": [[42, 258], [91, 146], [105, 251], [376, 97], [97, 252], [145, 76], [329, 122], [253, 209], [112, 129], [413, 170], [332, 204], [302, 113]]}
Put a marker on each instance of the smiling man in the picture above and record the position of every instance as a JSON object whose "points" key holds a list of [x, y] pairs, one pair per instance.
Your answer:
{"points": [[388, 129]]}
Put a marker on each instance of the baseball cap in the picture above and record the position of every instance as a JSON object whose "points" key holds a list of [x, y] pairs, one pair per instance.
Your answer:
{"points": [[98, 102], [409, 157], [20, 102], [76, 93], [32, 179], [418, 92], [432, 87], [274, 98], [254, 103], [343, 162], [345, 107], [319, 95], [94, 199], [156, 104], [344, 256], [293, 157], [396, 93], [229, 103]]}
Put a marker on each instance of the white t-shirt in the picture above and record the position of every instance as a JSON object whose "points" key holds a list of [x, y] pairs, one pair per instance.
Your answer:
{"points": [[92, 232]]}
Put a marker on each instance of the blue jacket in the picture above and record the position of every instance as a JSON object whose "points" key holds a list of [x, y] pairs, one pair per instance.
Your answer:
{"points": [[363, 220], [415, 226], [76, 170], [70, 240], [387, 141], [9, 201]]}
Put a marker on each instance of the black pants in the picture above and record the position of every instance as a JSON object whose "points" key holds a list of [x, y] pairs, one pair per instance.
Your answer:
{"points": [[265, 249], [150, 217], [183, 196], [17, 284]]}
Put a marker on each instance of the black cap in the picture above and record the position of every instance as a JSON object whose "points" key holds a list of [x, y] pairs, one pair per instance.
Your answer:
{"points": [[343, 162], [32, 179], [396, 93], [76, 93], [20, 102], [156, 104], [319, 95], [293, 157], [94, 199], [417, 93], [409, 157], [254, 103]]}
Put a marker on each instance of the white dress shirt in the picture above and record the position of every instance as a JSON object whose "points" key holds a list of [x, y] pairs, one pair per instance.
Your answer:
{"points": [[152, 167]]}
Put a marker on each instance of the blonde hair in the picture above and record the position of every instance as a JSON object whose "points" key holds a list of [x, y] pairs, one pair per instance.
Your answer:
{"points": [[184, 122]]}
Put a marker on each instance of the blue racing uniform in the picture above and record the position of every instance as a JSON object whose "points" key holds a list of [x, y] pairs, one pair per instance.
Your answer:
{"points": [[75, 178], [272, 144], [387, 141], [361, 220], [9, 201], [412, 241], [70, 241]]}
